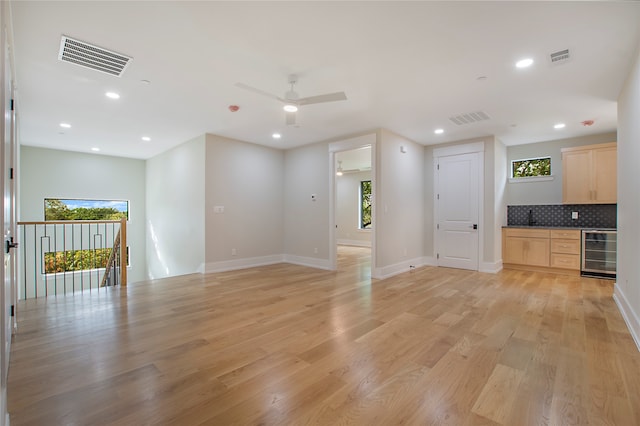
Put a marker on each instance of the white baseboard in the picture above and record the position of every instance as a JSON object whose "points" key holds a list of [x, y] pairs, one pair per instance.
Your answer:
{"points": [[429, 261], [630, 317], [249, 262], [356, 243], [398, 268], [490, 267], [312, 262]]}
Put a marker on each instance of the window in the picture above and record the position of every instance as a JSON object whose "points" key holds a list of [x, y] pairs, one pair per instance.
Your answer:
{"points": [[365, 204], [67, 209], [77, 260], [532, 167], [82, 259]]}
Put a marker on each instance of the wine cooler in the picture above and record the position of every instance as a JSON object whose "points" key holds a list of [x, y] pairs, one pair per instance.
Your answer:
{"points": [[599, 253]]}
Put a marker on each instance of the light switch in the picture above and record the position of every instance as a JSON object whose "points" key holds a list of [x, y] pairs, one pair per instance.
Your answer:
{"points": [[218, 209]]}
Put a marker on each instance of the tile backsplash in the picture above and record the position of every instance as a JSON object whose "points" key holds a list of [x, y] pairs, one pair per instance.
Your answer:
{"points": [[589, 215]]}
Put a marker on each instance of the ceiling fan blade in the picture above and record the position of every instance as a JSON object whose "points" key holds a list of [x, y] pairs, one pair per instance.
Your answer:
{"points": [[329, 97], [258, 91]]}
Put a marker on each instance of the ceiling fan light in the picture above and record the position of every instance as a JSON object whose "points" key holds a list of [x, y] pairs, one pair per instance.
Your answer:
{"points": [[290, 108]]}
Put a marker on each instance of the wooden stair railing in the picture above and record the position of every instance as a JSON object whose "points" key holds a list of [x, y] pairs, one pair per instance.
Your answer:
{"points": [[118, 255], [111, 263]]}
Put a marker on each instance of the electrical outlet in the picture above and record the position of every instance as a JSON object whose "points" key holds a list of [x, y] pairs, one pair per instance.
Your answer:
{"points": [[234, 252], [315, 250], [574, 215]]}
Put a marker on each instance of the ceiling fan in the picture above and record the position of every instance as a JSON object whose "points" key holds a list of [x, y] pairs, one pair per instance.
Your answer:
{"points": [[292, 100], [340, 171]]}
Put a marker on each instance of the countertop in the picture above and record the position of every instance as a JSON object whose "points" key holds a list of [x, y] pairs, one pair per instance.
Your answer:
{"points": [[560, 227]]}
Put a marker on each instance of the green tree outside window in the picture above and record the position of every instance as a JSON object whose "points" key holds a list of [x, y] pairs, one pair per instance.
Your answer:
{"points": [[365, 204], [531, 167]]}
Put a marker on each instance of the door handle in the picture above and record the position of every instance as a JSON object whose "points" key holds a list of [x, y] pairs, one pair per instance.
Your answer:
{"points": [[9, 244]]}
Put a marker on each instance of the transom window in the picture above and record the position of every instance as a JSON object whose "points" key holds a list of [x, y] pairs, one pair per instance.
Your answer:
{"points": [[531, 167], [79, 209]]}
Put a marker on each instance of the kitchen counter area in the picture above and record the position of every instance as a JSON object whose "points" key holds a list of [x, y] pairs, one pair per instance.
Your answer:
{"points": [[560, 249], [558, 227]]}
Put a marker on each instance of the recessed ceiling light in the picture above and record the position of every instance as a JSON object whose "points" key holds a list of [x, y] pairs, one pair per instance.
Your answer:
{"points": [[290, 108], [94, 149], [438, 131], [276, 135], [146, 138], [524, 63], [112, 95], [65, 125], [559, 126]]}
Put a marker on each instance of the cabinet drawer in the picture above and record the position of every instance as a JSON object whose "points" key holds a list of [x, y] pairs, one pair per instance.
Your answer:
{"points": [[527, 233], [567, 234], [565, 246], [565, 261]]}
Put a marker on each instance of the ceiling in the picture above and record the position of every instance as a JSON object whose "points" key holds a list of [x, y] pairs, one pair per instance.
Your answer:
{"points": [[404, 66]]}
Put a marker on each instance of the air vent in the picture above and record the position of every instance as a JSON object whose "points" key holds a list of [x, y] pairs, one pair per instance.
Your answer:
{"points": [[468, 118], [559, 57], [94, 57]]}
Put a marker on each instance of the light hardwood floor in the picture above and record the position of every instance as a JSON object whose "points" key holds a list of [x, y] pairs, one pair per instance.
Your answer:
{"points": [[289, 345]]}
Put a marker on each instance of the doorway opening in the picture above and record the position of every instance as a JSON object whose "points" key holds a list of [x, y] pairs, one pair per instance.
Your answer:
{"points": [[352, 210]]}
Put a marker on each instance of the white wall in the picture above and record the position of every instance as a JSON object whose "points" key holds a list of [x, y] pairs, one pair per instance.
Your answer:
{"points": [[248, 181], [175, 210], [47, 173], [499, 201], [627, 289], [400, 204], [545, 192], [348, 210], [306, 222]]}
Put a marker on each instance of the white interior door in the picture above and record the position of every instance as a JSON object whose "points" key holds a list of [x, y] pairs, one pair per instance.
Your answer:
{"points": [[457, 211], [9, 150]]}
